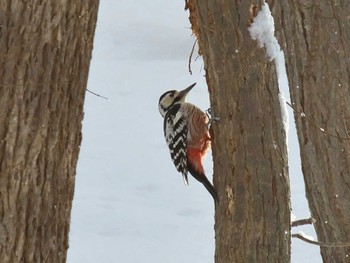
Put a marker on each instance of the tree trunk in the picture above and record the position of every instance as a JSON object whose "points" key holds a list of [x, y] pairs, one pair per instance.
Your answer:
{"points": [[249, 148], [316, 35], [46, 50]]}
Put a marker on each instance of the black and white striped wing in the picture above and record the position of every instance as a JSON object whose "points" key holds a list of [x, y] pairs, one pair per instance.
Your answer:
{"points": [[175, 132]]}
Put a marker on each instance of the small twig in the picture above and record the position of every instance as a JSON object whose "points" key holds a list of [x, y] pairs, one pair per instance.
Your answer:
{"points": [[190, 58], [98, 95], [306, 221], [302, 115], [321, 244]]}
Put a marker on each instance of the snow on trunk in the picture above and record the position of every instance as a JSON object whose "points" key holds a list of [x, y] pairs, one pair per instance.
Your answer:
{"points": [[263, 31]]}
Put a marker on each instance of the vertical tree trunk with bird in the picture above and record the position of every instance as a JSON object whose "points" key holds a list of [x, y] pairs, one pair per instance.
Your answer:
{"points": [[252, 222]]}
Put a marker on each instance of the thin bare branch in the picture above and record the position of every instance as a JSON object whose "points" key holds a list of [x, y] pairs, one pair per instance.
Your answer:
{"points": [[321, 244], [98, 95], [301, 222], [190, 58], [309, 120]]}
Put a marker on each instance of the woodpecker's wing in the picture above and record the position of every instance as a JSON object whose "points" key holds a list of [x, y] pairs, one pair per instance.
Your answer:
{"points": [[175, 132]]}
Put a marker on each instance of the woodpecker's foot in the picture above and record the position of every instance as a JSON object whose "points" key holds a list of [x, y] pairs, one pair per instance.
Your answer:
{"points": [[212, 119]]}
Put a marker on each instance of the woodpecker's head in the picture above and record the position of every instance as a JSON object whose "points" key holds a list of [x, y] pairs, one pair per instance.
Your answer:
{"points": [[171, 97]]}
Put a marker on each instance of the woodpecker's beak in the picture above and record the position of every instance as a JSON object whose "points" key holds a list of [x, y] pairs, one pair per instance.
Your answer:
{"points": [[183, 93]]}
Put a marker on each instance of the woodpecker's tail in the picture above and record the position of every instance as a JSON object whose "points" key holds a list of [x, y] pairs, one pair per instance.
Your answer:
{"points": [[195, 167], [210, 188], [200, 176]]}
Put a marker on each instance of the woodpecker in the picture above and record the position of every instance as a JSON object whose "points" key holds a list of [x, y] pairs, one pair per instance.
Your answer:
{"points": [[186, 131]]}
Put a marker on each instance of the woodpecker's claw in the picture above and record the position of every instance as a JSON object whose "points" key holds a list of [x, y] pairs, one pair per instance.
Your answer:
{"points": [[208, 112], [212, 119]]}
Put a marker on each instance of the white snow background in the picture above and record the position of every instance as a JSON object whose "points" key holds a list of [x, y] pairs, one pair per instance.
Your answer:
{"points": [[130, 204]]}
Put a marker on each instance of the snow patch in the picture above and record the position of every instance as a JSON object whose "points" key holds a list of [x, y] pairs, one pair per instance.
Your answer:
{"points": [[263, 31], [292, 217], [306, 236], [285, 116]]}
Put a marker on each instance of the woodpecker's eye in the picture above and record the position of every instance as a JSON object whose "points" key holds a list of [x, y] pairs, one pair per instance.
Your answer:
{"points": [[171, 95]]}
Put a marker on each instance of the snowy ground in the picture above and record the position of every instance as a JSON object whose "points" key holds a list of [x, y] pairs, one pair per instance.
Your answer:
{"points": [[130, 204]]}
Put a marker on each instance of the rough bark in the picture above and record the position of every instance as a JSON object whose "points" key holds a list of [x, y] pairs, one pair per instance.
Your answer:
{"points": [[316, 35], [45, 55], [252, 221]]}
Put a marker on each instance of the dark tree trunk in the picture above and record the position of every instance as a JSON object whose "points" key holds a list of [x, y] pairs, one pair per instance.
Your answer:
{"points": [[249, 148], [316, 36], [45, 55]]}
